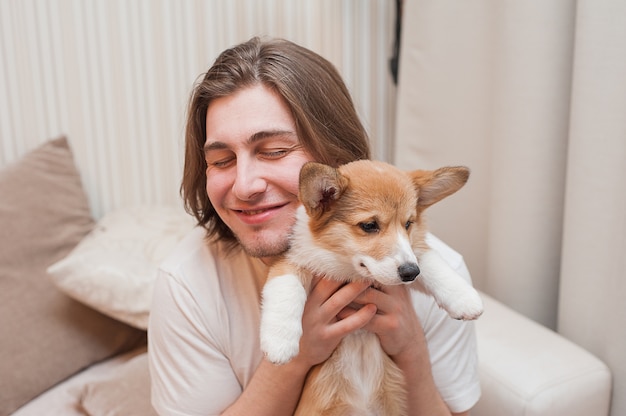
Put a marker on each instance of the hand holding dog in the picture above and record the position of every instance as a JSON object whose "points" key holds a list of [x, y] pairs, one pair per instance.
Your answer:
{"points": [[323, 325], [395, 322]]}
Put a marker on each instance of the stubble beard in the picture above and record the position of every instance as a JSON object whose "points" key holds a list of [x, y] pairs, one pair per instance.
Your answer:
{"points": [[264, 249]]}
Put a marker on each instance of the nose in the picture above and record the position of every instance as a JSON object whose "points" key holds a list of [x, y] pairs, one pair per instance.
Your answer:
{"points": [[408, 272], [249, 181]]}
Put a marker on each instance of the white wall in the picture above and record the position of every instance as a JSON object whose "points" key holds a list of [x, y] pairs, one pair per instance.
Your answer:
{"points": [[115, 76]]}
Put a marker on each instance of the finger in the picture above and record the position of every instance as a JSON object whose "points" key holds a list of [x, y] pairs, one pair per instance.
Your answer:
{"points": [[384, 302], [316, 279], [356, 320], [343, 297], [387, 298], [323, 289], [392, 289], [381, 322], [349, 310]]}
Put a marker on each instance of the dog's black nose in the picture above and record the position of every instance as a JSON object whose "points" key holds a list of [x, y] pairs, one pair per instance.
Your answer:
{"points": [[408, 272]]}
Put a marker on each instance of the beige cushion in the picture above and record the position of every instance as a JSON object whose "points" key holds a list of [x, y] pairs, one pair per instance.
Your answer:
{"points": [[46, 336], [529, 370], [125, 393], [113, 269]]}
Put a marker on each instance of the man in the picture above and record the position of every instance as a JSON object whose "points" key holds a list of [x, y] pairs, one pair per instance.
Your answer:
{"points": [[262, 110]]}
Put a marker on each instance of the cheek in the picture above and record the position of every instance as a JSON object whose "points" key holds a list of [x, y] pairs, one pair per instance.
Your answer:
{"points": [[290, 184], [287, 177], [216, 186]]}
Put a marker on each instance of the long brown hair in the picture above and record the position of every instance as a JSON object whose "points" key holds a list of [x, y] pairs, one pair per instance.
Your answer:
{"points": [[327, 124]]}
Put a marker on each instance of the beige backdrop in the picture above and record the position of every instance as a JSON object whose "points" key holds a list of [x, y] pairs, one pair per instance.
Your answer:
{"points": [[532, 96], [115, 77]]}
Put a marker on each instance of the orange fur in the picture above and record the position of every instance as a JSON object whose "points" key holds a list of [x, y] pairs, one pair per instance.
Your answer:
{"points": [[360, 211]]}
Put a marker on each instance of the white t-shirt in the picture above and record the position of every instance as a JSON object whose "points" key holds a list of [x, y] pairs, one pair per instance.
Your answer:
{"points": [[204, 331]]}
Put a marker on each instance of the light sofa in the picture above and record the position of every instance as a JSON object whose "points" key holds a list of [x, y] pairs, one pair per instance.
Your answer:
{"points": [[74, 302]]}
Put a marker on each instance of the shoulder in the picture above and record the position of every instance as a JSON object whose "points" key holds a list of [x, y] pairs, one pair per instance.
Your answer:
{"points": [[206, 306], [451, 256], [204, 318], [201, 264], [192, 252]]}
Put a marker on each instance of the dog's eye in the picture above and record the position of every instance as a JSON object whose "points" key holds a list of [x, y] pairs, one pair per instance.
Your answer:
{"points": [[408, 225], [369, 227]]}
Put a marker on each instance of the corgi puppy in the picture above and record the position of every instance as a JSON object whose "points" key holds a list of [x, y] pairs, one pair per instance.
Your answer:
{"points": [[361, 221]]}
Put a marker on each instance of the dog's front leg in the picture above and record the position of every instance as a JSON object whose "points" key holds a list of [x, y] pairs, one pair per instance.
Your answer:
{"points": [[284, 297], [450, 290]]}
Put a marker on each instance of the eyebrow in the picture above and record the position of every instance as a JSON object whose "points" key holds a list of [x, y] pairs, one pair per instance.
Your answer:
{"points": [[256, 137]]}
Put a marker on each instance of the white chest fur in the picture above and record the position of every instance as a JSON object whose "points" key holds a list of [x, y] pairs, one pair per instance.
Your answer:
{"points": [[360, 360]]}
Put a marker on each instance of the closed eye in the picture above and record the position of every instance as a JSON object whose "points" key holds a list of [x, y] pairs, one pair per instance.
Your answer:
{"points": [[220, 163], [274, 153]]}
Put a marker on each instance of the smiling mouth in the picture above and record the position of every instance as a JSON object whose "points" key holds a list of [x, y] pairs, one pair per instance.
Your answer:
{"points": [[252, 212]]}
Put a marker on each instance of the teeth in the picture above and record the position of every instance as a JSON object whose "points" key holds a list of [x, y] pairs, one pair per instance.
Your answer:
{"points": [[257, 211]]}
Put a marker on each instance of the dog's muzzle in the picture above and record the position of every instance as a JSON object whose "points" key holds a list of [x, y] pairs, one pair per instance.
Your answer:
{"points": [[408, 272]]}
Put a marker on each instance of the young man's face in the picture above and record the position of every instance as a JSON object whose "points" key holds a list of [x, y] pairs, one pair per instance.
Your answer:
{"points": [[253, 161]]}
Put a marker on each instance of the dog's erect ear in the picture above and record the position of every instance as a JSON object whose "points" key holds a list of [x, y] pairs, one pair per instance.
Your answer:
{"points": [[320, 186], [434, 185]]}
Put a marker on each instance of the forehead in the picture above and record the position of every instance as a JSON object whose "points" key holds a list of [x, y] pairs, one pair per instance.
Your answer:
{"points": [[382, 186], [236, 118]]}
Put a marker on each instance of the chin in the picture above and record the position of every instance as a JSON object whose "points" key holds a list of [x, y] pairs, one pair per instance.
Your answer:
{"points": [[265, 246]]}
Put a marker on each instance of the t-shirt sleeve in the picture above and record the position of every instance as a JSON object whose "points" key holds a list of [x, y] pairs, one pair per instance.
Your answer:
{"points": [[452, 343], [190, 374]]}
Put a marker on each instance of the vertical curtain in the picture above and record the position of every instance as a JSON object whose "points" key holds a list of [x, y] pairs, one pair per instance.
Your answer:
{"points": [[487, 84], [592, 308], [532, 97]]}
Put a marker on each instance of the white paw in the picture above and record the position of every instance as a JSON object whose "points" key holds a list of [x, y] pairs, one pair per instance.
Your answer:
{"points": [[464, 305], [281, 318], [280, 351], [450, 290]]}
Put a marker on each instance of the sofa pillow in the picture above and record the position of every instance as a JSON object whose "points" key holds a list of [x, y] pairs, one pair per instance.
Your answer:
{"points": [[125, 393], [46, 336], [113, 269]]}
